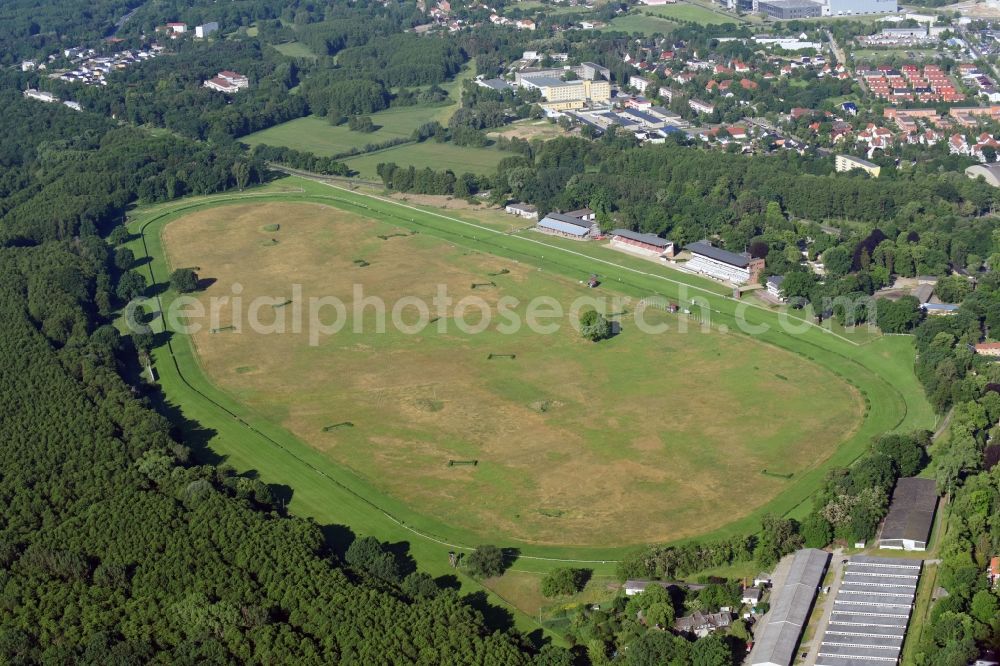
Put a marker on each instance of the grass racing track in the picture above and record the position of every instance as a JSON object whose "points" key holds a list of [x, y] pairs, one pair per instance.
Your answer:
{"points": [[881, 370]]}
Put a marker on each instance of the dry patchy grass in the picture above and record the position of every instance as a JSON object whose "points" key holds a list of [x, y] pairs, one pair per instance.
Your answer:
{"points": [[640, 438]]}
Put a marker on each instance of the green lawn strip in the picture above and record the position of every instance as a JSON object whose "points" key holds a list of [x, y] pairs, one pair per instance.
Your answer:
{"points": [[690, 12], [891, 413], [920, 615], [295, 50], [454, 90], [644, 25], [316, 135], [438, 156]]}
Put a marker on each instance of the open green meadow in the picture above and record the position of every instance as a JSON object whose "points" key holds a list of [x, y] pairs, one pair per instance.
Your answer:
{"points": [[644, 25], [294, 50], [684, 11], [316, 135], [530, 7], [218, 414], [438, 156]]}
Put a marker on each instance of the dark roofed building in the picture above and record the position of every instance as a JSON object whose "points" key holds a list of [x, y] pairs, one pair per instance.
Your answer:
{"points": [[557, 224], [494, 84], [717, 253], [774, 285], [911, 514], [574, 225], [583, 214], [702, 624], [527, 211], [991, 457], [645, 119], [723, 264], [569, 219], [648, 244]]}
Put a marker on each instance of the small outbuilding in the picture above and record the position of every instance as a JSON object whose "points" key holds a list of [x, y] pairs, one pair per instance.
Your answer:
{"points": [[774, 286], [527, 211]]}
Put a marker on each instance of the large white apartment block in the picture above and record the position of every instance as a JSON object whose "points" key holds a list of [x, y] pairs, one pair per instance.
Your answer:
{"points": [[638, 83]]}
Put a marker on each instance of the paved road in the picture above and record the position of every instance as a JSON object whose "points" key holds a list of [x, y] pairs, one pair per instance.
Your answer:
{"points": [[837, 51], [837, 567]]}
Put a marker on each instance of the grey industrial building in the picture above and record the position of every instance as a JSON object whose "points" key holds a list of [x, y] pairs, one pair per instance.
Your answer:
{"points": [[789, 9], [911, 515], [790, 608], [870, 612]]}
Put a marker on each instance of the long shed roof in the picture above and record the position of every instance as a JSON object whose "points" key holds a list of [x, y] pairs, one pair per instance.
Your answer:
{"points": [[912, 510], [717, 253], [790, 609], [549, 222], [570, 219], [649, 239]]}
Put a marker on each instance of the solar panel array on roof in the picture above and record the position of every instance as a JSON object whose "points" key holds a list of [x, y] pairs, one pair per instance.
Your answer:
{"points": [[790, 609], [870, 612]]}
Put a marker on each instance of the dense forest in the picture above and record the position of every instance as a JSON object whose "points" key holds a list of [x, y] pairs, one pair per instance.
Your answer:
{"points": [[168, 92], [968, 617], [32, 28], [116, 545], [67, 173], [120, 545]]}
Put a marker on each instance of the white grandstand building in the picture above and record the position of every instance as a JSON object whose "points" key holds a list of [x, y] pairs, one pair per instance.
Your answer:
{"points": [[722, 264]]}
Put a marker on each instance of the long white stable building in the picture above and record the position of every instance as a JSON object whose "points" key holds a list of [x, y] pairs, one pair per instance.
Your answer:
{"points": [[790, 608]]}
